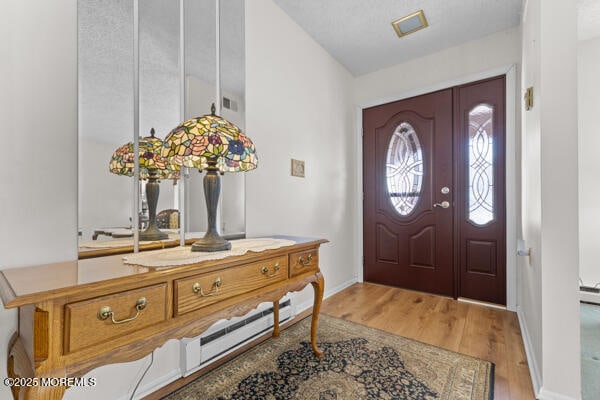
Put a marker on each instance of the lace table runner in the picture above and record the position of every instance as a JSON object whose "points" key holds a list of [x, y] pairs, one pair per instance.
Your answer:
{"points": [[122, 242], [178, 256]]}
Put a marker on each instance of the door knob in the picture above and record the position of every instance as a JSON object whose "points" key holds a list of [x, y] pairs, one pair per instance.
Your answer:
{"points": [[443, 204]]}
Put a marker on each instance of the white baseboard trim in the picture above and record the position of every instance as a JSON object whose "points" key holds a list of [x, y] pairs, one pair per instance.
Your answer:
{"points": [[534, 371], [328, 293], [548, 395]]}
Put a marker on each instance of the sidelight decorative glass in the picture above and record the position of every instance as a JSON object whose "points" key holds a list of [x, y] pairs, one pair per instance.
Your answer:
{"points": [[481, 164], [404, 169]]}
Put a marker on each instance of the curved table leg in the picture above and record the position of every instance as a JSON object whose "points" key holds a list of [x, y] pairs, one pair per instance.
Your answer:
{"points": [[18, 365], [319, 287], [37, 385]]}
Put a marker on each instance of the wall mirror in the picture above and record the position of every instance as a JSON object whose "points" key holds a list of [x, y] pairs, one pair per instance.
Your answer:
{"points": [[180, 77]]}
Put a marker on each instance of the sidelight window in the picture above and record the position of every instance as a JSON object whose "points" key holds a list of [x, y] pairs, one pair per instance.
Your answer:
{"points": [[481, 164]]}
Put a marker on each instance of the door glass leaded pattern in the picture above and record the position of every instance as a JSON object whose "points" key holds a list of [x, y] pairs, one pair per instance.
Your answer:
{"points": [[481, 164], [404, 169]]}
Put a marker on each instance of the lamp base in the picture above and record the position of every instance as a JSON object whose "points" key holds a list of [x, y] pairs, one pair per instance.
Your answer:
{"points": [[210, 243], [153, 233]]}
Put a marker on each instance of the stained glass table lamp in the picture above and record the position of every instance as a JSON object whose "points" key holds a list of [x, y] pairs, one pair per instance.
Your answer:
{"points": [[153, 167], [216, 145]]}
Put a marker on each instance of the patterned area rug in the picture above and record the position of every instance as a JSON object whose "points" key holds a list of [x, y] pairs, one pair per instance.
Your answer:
{"points": [[358, 363]]}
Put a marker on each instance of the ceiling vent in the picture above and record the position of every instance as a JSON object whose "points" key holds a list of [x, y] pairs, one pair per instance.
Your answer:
{"points": [[409, 24]]}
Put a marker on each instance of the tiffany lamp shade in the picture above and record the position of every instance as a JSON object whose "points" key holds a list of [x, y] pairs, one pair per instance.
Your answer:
{"points": [[152, 167], [216, 145]]}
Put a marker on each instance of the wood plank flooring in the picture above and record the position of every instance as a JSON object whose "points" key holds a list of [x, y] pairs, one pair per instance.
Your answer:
{"points": [[479, 331]]}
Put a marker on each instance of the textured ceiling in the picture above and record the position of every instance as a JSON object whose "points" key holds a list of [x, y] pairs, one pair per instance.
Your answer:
{"points": [[359, 34]]}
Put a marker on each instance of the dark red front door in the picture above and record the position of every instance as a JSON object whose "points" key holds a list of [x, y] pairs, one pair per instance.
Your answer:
{"points": [[407, 150], [480, 198], [434, 198]]}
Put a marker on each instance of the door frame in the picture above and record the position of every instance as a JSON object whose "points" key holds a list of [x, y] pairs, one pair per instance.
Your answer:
{"points": [[512, 160]]}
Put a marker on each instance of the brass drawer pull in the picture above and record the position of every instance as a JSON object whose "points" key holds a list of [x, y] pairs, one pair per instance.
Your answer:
{"points": [[106, 311], [306, 262], [196, 288], [265, 271]]}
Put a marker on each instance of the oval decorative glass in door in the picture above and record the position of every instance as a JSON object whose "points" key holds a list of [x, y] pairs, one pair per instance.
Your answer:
{"points": [[481, 164], [404, 169]]}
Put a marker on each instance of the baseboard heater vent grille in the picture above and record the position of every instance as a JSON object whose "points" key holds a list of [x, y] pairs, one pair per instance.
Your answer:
{"points": [[199, 352], [238, 325], [589, 289]]}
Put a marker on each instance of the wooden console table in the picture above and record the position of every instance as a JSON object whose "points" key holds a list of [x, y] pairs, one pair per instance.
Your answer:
{"points": [[77, 316]]}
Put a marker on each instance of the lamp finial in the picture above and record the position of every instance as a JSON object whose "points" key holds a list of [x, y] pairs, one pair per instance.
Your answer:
{"points": [[152, 132], [213, 109]]}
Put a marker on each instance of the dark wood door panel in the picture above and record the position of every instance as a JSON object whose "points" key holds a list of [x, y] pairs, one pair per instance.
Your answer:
{"points": [[456, 138], [409, 246], [480, 196]]}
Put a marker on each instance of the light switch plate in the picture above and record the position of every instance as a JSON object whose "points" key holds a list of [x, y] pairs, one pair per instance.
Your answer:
{"points": [[298, 168]]}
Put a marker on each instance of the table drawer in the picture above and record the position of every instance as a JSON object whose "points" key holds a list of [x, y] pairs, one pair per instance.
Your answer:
{"points": [[204, 289], [97, 320], [304, 261]]}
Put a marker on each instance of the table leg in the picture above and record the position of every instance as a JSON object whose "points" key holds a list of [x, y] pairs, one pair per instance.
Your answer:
{"points": [[276, 319], [319, 287]]}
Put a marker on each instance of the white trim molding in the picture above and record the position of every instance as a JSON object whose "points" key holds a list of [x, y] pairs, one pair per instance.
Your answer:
{"points": [[534, 370], [548, 395]]}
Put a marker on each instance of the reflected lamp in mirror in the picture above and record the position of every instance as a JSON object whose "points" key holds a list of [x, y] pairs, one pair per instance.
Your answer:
{"points": [[153, 167], [216, 145]]}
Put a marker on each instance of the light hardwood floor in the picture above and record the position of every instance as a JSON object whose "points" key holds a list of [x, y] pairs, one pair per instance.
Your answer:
{"points": [[484, 332], [479, 331]]}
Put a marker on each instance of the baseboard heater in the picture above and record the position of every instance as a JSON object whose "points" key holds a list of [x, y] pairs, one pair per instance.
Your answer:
{"points": [[227, 336], [588, 294]]}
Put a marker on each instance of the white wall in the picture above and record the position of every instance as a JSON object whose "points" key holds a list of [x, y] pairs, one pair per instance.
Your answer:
{"points": [[551, 225], [588, 65], [560, 228], [447, 66], [38, 125], [299, 105], [530, 268]]}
